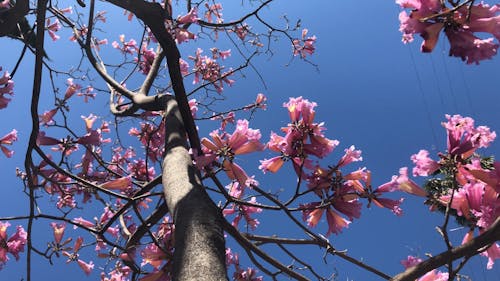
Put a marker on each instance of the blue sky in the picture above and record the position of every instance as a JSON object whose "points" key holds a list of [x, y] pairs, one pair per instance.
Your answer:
{"points": [[374, 92]]}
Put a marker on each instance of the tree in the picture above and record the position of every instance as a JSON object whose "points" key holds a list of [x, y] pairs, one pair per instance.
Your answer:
{"points": [[138, 224]]}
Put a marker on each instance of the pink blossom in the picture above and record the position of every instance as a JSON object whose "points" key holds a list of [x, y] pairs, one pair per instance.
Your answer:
{"points": [[8, 139], [6, 88], [86, 267], [213, 11], [492, 253], [424, 166], [429, 18], [335, 222], [126, 47], [147, 57], [83, 222], [410, 261], [403, 183], [100, 16], [304, 46], [464, 138], [46, 118], [243, 140], [260, 101], [72, 88], [242, 211], [52, 28], [183, 35], [246, 275], [88, 93], [191, 17], [13, 245], [312, 214], [241, 31], [67, 10], [153, 255], [434, 275], [193, 107], [351, 155], [208, 69], [216, 53], [470, 48], [42, 139], [271, 165], [58, 230], [121, 184], [393, 205], [184, 67]]}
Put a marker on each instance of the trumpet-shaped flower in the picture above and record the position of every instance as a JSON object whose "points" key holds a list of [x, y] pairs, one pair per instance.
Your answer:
{"points": [[8, 139]]}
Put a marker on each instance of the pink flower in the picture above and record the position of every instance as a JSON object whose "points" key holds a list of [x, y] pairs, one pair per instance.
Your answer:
{"points": [[468, 47], [147, 57], [393, 205], [121, 184], [184, 67], [42, 139], [492, 253], [86, 267], [403, 183], [260, 101], [410, 261], [193, 107], [246, 275], [434, 275], [13, 245], [424, 166], [52, 28], [304, 46], [464, 138], [183, 35], [72, 89], [6, 88], [335, 222], [271, 165], [153, 255], [214, 11], [241, 31], [8, 139], [58, 230], [191, 17], [46, 118], [127, 47], [351, 155], [311, 213]]}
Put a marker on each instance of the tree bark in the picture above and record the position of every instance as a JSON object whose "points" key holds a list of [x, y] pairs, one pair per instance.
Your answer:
{"points": [[199, 240]]}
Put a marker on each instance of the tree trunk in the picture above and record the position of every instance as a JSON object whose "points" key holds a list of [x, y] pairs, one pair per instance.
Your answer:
{"points": [[199, 240]]}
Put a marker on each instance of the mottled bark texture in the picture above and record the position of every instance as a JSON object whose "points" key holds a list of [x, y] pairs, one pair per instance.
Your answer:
{"points": [[199, 240]]}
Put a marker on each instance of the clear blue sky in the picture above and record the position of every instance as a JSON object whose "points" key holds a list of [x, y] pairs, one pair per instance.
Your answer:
{"points": [[386, 98]]}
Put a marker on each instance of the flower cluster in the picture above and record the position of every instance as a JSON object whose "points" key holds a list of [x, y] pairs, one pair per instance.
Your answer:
{"points": [[242, 211], [223, 145], [241, 274], [305, 45], [208, 69], [52, 28], [12, 245], [469, 184], [303, 138], [460, 23]]}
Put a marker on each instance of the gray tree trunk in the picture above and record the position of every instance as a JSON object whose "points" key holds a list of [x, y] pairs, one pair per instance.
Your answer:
{"points": [[199, 240]]}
